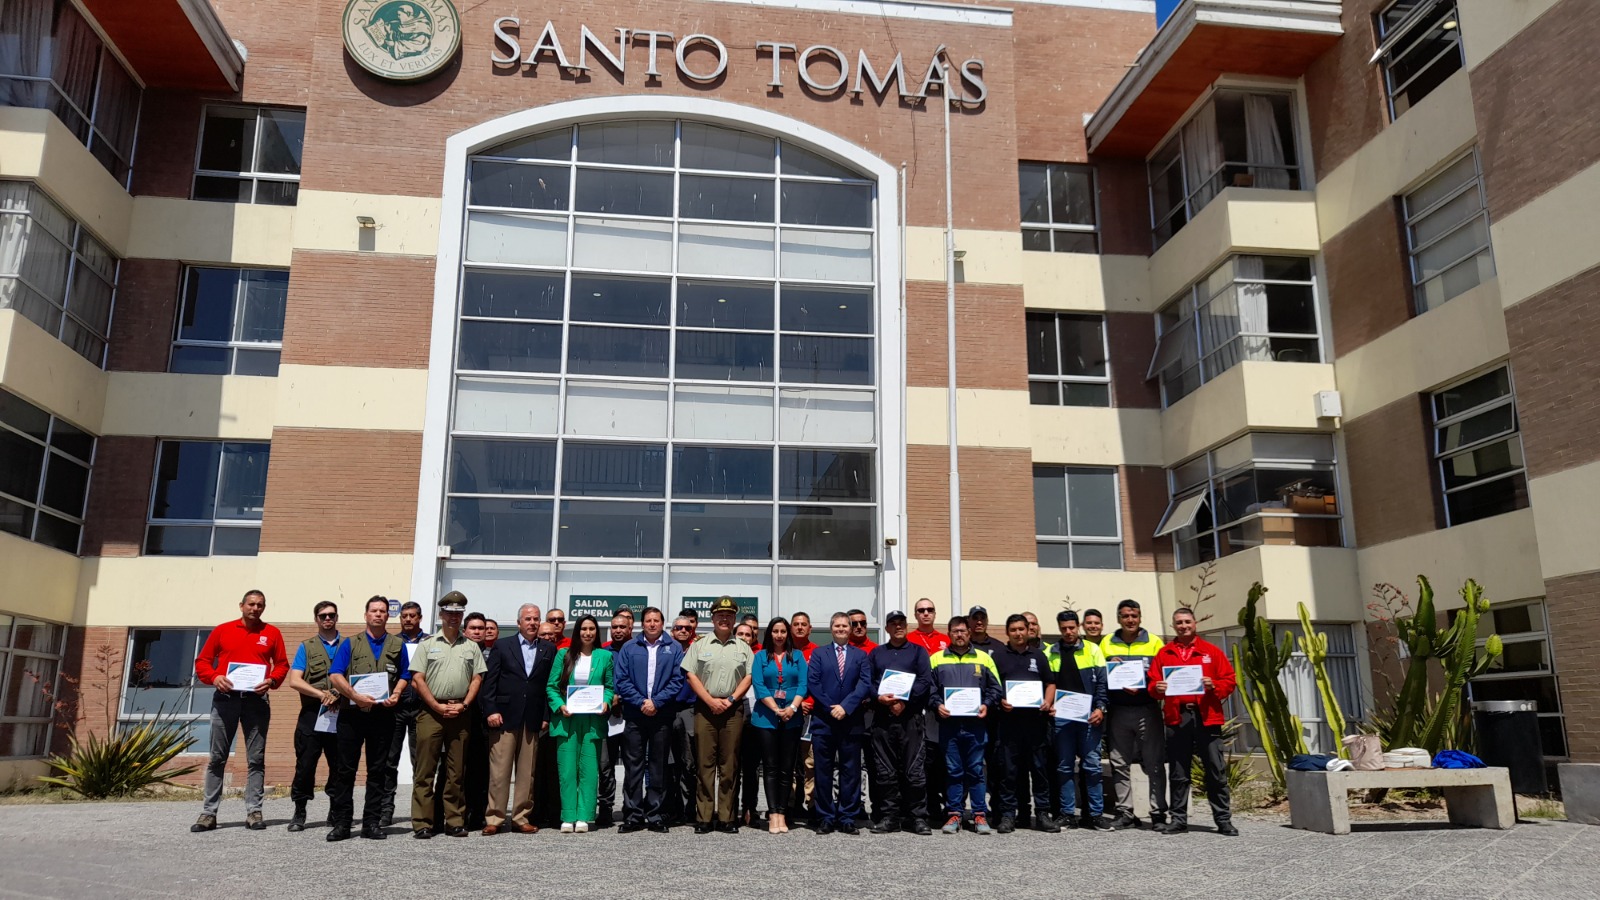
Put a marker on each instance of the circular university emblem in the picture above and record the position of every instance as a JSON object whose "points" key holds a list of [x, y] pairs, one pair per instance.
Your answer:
{"points": [[402, 40]]}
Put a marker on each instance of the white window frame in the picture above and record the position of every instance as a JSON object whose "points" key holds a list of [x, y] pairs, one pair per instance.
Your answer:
{"points": [[11, 655], [51, 452], [1052, 227], [75, 262], [251, 174], [214, 523], [1539, 636], [199, 722], [1071, 540], [1060, 378], [1313, 722], [1442, 457], [234, 344], [1399, 40], [1415, 216]]}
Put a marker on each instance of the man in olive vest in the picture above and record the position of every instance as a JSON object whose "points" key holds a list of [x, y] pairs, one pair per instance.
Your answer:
{"points": [[367, 671], [309, 676]]}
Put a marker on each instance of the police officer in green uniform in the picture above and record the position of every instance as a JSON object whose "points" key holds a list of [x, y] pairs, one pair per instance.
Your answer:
{"points": [[308, 676], [372, 661], [446, 670]]}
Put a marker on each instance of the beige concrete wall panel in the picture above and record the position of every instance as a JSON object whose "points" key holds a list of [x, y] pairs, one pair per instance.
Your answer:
{"points": [[1566, 512], [1084, 282], [203, 407], [39, 581], [1501, 552], [1557, 374], [1259, 396], [47, 373], [350, 397], [36, 146], [326, 220], [1550, 239], [985, 418], [1461, 336], [988, 257], [1088, 436], [1323, 578], [1399, 157], [1238, 220], [1486, 25], [205, 232]]}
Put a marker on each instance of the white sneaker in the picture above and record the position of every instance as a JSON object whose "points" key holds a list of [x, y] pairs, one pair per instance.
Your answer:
{"points": [[582, 828], [566, 828]]}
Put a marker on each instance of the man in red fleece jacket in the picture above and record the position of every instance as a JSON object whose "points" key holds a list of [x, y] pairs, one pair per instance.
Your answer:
{"points": [[249, 642], [1194, 722]]}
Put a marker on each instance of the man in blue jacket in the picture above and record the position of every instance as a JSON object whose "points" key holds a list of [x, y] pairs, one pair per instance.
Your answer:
{"points": [[898, 730], [1079, 668], [839, 680], [649, 677]]}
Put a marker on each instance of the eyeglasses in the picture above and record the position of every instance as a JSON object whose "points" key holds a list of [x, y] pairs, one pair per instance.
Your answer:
{"points": [[928, 610], [683, 628], [327, 615], [855, 623]]}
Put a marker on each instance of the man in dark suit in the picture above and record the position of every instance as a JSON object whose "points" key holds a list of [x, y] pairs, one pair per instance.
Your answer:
{"points": [[514, 705], [649, 676], [839, 680]]}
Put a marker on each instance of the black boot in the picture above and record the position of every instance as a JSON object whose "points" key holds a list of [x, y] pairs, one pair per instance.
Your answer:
{"points": [[298, 821]]}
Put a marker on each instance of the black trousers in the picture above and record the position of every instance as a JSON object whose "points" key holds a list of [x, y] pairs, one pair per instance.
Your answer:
{"points": [[899, 779], [311, 745], [680, 791], [610, 755], [405, 738], [644, 768], [546, 784], [1020, 758], [476, 777], [750, 763], [1184, 740], [780, 750], [373, 732]]}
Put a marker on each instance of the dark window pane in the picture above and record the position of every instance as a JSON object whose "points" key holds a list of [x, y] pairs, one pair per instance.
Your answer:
{"points": [[66, 484], [243, 490], [512, 295], [624, 192], [228, 140], [1092, 498], [1076, 242], [1044, 393], [725, 356], [797, 161], [505, 347], [1474, 428], [711, 147], [715, 197], [168, 657], [545, 145], [1080, 394], [15, 518], [1035, 239], [827, 360], [825, 532], [201, 360], [1055, 556], [1295, 350], [502, 467], [236, 542], [186, 480], [21, 464], [1083, 347], [209, 299], [840, 310], [23, 416], [1042, 347], [1096, 556], [627, 143], [519, 185], [722, 473], [1033, 189], [722, 531], [825, 475], [228, 190], [1291, 308], [614, 470], [283, 137], [498, 527], [1492, 499], [266, 297], [1478, 391], [178, 540], [70, 440], [813, 203], [617, 351], [1484, 462], [714, 304], [624, 300], [1049, 500], [1286, 268], [619, 530], [278, 193], [256, 362], [1071, 196]]}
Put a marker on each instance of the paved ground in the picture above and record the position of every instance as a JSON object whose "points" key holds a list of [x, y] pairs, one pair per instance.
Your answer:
{"points": [[145, 849]]}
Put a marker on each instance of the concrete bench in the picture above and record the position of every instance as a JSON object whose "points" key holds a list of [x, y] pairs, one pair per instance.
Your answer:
{"points": [[1319, 801]]}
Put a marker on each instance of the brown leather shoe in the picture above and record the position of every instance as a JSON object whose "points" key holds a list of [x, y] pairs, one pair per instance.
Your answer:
{"points": [[525, 828], [491, 830]]}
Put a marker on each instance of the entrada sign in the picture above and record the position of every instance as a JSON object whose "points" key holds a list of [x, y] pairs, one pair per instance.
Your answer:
{"points": [[704, 59]]}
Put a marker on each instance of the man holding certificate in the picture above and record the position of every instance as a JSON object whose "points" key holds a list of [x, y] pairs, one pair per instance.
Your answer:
{"points": [[1134, 717], [368, 672], [316, 733], [965, 685], [242, 659], [903, 679], [1195, 677], [1080, 677], [1020, 727]]}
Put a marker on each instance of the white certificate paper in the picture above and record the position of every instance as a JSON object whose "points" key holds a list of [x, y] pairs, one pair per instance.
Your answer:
{"points": [[1025, 694], [1072, 706], [1124, 674], [896, 684], [586, 698], [246, 676], [375, 685], [962, 701], [1184, 681], [328, 720]]}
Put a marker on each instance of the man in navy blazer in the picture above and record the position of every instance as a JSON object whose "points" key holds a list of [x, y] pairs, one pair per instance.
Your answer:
{"points": [[648, 675], [839, 680], [514, 706]]}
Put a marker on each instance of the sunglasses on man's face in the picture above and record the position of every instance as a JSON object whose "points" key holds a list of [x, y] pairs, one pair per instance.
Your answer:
{"points": [[683, 628], [854, 623], [327, 615], [925, 612]]}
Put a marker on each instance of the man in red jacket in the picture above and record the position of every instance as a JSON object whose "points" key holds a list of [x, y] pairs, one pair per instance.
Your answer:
{"points": [[1194, 721], [242, 659]]}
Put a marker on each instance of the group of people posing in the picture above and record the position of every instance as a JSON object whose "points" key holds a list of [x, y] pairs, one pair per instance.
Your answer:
{"points": [[508, 734]]}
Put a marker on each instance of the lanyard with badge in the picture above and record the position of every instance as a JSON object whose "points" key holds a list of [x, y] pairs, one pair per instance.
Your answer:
{"points": [[780, 693]]}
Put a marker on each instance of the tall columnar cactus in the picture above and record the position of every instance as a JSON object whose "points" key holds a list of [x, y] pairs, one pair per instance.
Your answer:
{"points": [[1423, 639], [1461, 664], [1315, 646], [1257, 660]]}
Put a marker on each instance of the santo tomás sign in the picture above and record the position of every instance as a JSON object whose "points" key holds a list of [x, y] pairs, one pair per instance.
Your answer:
{"points": [[401, 40]]}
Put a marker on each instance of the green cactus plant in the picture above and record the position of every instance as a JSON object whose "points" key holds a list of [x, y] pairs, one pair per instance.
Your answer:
{"points": [[1257, 661], [1421, 636], [1462, 664], [1315, 646], [1420, 718]]}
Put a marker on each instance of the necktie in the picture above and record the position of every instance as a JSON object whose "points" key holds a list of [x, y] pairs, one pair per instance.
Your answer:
{"points": [[841, 663]]}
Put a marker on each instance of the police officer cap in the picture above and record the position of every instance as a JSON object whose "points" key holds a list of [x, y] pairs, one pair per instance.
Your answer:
{"points": [[724, 604], [455, 601], [897, 614], [978, 611], [1066, 615]]}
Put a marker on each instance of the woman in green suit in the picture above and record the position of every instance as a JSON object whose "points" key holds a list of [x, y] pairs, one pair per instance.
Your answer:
{"points": [[578, 734]]}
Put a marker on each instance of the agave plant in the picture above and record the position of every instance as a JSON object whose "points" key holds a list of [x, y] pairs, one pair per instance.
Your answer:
{"points": [[128, 761]]}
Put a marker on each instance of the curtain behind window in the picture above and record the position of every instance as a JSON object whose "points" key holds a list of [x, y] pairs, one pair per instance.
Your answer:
{"points": [[1265, 146], [1202, 156], [25, 50]]}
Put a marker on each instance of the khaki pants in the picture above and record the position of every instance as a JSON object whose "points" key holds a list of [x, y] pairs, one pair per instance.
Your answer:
{"points": [[512, 751], [440, 742], [716, 738]]}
